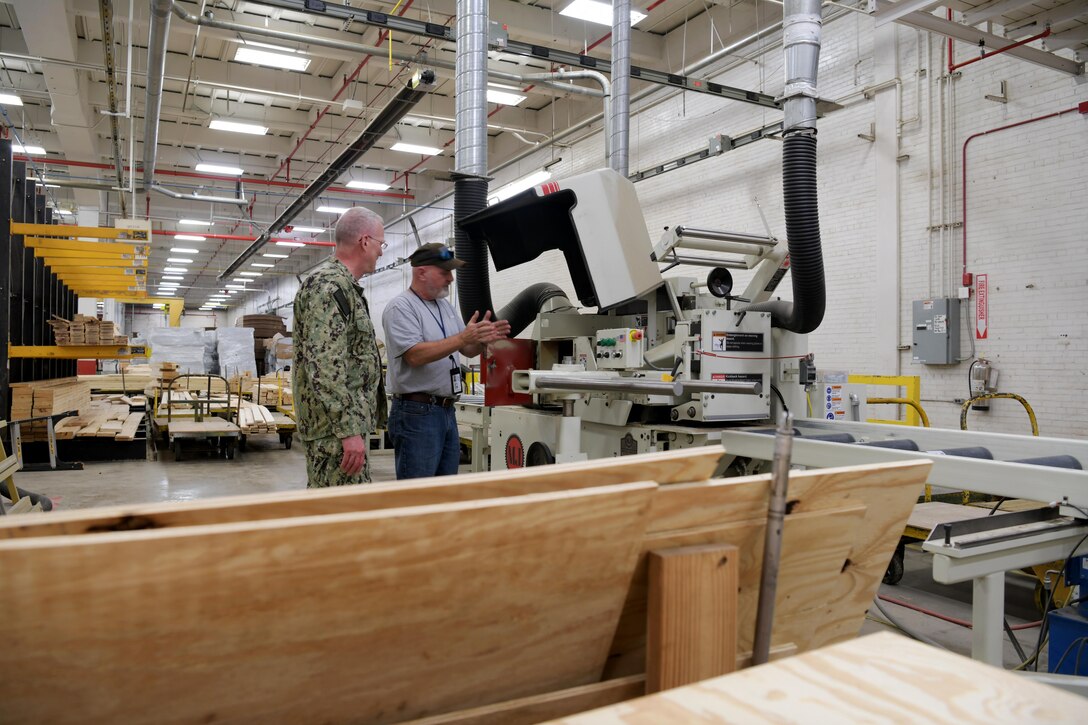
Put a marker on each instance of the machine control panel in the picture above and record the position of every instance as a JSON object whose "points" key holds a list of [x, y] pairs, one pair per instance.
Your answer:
{"points": [[620, 348]]}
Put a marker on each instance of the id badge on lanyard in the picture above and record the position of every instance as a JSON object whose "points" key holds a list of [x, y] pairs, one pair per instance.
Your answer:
{"points": [[455, 378]]}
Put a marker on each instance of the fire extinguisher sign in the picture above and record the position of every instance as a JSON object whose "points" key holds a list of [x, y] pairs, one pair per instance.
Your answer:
{"points": [[982, 315]]}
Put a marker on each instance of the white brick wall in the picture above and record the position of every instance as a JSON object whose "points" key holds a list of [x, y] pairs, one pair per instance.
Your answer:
{"points": [[1027, 214]]}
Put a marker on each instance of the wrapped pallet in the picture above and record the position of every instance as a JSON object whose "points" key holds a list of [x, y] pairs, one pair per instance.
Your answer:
{"points": [[236, 351], [182, 346]]}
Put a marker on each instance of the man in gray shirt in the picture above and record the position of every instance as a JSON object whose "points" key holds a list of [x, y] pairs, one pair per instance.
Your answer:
{"points": [[425, 339]]}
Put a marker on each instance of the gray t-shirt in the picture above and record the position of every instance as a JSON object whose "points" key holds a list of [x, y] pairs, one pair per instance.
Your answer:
{"points": [[409, 320]]}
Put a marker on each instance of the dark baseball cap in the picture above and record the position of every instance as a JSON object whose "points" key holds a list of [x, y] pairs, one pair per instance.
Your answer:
{"points": [[437, 255]]}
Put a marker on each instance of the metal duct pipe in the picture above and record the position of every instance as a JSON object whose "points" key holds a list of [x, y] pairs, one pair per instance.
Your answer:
{"points": [[82, 184], [621, 81], [801, 44], [240, 201], [156, 69], [642, 387], [605, 93], [408, 96]]}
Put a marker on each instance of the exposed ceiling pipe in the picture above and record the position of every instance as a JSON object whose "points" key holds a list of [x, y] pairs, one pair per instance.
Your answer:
{"points": [[606, 93], [621, 81], [81, 184], [411, 94], [240, 201], [156, 68]]}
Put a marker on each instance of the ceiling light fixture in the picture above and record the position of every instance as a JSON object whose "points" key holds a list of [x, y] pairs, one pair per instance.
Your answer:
{"points": [[593, 11], [28, 150], [190, 238], [252, 274], [177, 277], [310, 230], [412, 148], [176, 270], [504, 96], [261, 264], [9, 99], [168, 285], [332, 209], [64, 212], [275, 256], [287, 61], [290, 244], [179, 260], [217, 169], [184, 250], [367, 185], [219, 124], [235, 286], [195, 223]]}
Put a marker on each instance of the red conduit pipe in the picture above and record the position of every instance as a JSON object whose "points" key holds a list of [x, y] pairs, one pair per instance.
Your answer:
{"points": [[347, 82], [945, 617], [953, 66], [968, 278], [211, 177]]}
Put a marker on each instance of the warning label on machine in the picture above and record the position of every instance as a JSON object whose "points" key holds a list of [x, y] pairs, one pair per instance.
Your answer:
{"points": [[737, 342], [834, 404], [738, 377]]}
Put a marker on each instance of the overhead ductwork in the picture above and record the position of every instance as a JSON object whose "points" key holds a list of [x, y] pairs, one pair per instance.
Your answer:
{"points": [[156, 69], [801, 42], [619, 125]]}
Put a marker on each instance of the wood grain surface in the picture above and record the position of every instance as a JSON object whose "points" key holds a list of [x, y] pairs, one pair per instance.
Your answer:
{"points": [[369, 617], [880, 678]]}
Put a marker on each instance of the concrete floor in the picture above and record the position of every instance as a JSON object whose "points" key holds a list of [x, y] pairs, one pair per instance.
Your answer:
{"points": [[266, 467]]}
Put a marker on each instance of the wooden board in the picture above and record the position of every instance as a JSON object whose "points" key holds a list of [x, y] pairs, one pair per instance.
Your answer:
{"points": [[927, 516], [208, 426], [674, 467], [692, 623], [130, 427], [370, 617], [879, 678]]}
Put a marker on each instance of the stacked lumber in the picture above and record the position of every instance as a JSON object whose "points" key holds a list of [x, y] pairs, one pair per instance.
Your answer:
{"points": [[85, 330], [106, 417], [512, 592], [164, 373], [253, 418], [46, 398], [275, 390]]}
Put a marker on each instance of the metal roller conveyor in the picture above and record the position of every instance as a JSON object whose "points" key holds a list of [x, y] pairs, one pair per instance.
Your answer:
{"points": [[544, 383]]}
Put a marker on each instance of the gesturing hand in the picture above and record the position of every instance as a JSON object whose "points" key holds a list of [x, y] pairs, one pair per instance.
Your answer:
{"points": [[354, 455], [479, 332]]}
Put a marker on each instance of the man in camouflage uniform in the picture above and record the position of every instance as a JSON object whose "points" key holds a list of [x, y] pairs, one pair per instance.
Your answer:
{"points": [[338, 386]]}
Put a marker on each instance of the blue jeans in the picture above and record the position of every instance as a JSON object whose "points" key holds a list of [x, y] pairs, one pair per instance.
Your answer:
{"points": [[425, 439]]}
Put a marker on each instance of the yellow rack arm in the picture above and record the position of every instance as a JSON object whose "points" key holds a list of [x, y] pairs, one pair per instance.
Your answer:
{"points": [[63, 230]]}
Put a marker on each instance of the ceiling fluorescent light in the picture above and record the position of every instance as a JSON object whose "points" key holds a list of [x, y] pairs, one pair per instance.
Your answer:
{"points": [[412, 148], [287, 61], [216, 169], [596, 12], [309, 230], [28, 150], [8, 99], [168, 285], [503, 97], [235, 286], [275, 256], [64, 212], [332, 209], [177, 277], [290, 244], [179, 260], [195, 223], [367, 185], [219, 124], [259, 44], [184, 250], [165, 293], [251, 274], [261, 264], [516, 187], [176, 270], [190, 238]]}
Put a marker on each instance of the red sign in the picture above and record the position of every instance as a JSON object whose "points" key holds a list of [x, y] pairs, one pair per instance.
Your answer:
{"points": [[982, 321], [550, 188]]}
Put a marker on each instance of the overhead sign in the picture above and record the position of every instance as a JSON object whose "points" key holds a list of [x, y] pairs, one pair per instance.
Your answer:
{"points": [[982, 322]]}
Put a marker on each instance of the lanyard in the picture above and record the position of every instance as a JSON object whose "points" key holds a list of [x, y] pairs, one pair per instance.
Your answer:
{"points": [[437, 318]]}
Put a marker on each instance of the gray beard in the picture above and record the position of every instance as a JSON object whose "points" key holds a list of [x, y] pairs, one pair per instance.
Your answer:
{"points": [[442, 293]]}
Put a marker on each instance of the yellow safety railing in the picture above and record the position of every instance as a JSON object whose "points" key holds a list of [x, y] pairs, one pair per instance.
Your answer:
{"points": [[912, 385]]}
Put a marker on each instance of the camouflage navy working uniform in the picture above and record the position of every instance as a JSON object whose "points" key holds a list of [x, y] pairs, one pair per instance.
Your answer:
{"points": [[338, 386]]}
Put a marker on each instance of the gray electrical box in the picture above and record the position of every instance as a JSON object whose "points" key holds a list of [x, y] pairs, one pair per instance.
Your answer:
{"points": [[937, 331]]}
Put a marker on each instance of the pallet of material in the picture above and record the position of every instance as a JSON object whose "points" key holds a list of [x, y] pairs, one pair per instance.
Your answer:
{"points": [[102, 419], [115, 382], [85, 330], [514, 592], [254, 418], [40, 398]]}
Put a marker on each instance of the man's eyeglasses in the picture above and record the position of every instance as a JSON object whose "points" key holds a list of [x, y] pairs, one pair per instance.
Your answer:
{"points": [[385, 245]]}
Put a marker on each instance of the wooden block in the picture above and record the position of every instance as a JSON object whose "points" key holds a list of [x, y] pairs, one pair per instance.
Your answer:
{"points": [[130, 427], [692, 627], [674, 467], [438, 608], [879, 678]]}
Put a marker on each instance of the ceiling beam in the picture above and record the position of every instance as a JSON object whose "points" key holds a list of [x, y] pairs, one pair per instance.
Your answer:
{"points": [[1048, 18], [992, 9], [891, 13]]}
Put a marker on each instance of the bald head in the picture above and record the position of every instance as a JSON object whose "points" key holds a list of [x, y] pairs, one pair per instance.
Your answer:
{"points": [[356, 222]]}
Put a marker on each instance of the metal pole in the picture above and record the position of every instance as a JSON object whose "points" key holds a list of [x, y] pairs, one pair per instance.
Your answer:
{"points": [[772, 541]]}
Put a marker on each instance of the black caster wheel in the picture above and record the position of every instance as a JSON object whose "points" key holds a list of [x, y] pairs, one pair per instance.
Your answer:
{"points": [[177, 450], [896, 567]]}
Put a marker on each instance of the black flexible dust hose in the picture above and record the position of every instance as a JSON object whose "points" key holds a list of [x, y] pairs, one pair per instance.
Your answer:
{"points": [[522, 310], [805, 313], [473, 280]]}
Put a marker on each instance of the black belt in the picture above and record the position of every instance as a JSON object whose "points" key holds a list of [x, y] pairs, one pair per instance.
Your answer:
{"points": [[427, 399]]}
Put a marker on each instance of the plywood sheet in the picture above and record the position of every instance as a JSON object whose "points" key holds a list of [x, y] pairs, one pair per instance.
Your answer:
{"points": [[673, 467], [370, 617], [880, 678]]}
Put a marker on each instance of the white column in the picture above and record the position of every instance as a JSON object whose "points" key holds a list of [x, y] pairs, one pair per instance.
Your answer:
{"points": [[886, 222]]}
